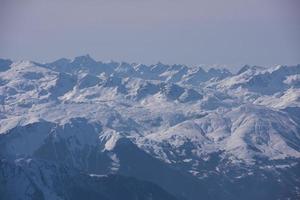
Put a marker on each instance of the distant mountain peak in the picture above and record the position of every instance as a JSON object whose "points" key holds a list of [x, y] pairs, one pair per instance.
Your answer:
{"points": [[84, 60]]}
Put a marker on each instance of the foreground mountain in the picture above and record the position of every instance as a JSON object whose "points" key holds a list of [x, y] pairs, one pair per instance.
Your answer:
{"points": [[196, 134], [33, 179]]}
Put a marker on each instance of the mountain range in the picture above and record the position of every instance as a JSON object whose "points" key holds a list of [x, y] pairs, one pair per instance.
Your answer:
{"points": [[84, 129]]}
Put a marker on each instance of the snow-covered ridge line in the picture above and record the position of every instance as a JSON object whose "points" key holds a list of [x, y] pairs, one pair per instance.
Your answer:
{"points": [[86, 61]]}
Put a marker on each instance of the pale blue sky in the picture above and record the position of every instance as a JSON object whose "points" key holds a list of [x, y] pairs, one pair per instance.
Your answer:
{"points": [[147, 31]]}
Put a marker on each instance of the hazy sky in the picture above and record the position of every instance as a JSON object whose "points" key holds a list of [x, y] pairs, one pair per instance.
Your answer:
{"points": [[171, 31]]}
